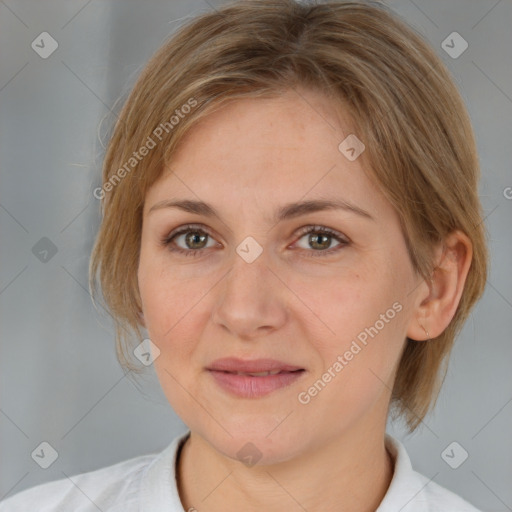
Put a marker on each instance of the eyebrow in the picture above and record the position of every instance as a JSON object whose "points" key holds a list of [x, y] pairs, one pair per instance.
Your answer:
{"points": [[288, 211]]}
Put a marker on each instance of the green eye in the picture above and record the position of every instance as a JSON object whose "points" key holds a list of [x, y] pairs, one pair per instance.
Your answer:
{"points": [[195, 235]]}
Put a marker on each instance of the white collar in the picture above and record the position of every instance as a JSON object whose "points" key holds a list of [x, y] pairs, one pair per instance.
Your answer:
{"points": [[408, 491]]}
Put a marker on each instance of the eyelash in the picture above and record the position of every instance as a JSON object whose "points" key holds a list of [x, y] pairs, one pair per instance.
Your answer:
{"points": [[167, 240]]}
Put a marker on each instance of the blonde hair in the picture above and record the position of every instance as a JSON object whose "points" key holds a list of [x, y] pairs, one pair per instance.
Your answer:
{"points": [[420, 146]]}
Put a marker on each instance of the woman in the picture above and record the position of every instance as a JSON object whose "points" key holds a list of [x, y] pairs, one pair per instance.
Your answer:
{"points": [[290, 211]]}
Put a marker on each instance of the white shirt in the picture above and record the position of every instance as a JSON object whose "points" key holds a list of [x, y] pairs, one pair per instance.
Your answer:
{"points": [[147, 483]]}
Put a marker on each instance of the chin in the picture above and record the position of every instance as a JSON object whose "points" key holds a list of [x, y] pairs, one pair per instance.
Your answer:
{"points": [[259, 443]]}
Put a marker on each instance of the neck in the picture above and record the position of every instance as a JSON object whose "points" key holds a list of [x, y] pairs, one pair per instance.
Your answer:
{"points": [[350, 473]]}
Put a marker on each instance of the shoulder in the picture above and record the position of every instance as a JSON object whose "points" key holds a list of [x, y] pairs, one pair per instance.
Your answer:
{"points": [[440, 499], [411, 491], [100, 489]]}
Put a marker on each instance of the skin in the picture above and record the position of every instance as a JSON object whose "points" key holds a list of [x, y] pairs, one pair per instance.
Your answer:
{"points": [[248, 159]]}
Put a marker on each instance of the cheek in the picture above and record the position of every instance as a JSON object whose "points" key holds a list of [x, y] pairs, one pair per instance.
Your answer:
{"points": [[362, 330], [169, 306], [358, 367], [341, 306], [174, 310], [177, 314]]}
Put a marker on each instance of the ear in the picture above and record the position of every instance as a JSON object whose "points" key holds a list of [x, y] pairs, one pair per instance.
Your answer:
{"points": [[437, 300]]}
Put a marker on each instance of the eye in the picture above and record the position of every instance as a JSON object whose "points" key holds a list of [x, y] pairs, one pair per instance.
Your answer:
{"points": [[195, 240], [320, 238]]}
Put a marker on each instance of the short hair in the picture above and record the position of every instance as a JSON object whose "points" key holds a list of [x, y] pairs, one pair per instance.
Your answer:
{"points": [[398, 94]]}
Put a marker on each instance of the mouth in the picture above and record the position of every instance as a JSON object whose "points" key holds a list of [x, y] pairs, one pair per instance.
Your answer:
{"points": [[254, 367], [260, 374], [253, 378]]}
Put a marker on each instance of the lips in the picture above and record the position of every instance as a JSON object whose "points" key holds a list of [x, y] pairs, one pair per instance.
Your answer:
{"points": [[254, 367], [255, 378]]}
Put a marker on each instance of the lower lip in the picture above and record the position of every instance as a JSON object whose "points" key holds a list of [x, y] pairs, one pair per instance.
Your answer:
{"points": [[246, 386]]}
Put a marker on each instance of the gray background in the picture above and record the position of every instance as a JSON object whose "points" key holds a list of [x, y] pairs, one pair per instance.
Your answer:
{"points": [[60, 380]]}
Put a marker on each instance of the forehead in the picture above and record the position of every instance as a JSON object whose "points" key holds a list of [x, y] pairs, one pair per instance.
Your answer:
{"points": [[268, 151], [283, 127]]}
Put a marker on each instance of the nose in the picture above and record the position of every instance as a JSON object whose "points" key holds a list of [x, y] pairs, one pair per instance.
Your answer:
{"points": [[250, 300]]}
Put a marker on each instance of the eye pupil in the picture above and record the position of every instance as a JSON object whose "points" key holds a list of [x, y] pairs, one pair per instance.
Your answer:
{"points": [[192, 236], [319, 245]]}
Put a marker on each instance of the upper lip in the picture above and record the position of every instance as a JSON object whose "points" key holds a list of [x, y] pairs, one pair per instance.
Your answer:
{"points": [[233, 364]]}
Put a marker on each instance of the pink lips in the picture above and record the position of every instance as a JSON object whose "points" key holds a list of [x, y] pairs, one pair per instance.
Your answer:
{"points": [[231, 374]]}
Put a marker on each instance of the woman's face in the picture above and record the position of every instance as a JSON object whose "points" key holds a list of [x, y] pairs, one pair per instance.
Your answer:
{"points": [[336, 305]]}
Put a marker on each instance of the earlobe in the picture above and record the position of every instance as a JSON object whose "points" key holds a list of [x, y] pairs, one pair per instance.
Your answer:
{"points": [[435, 312], [418, 332], [426, 332]]}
